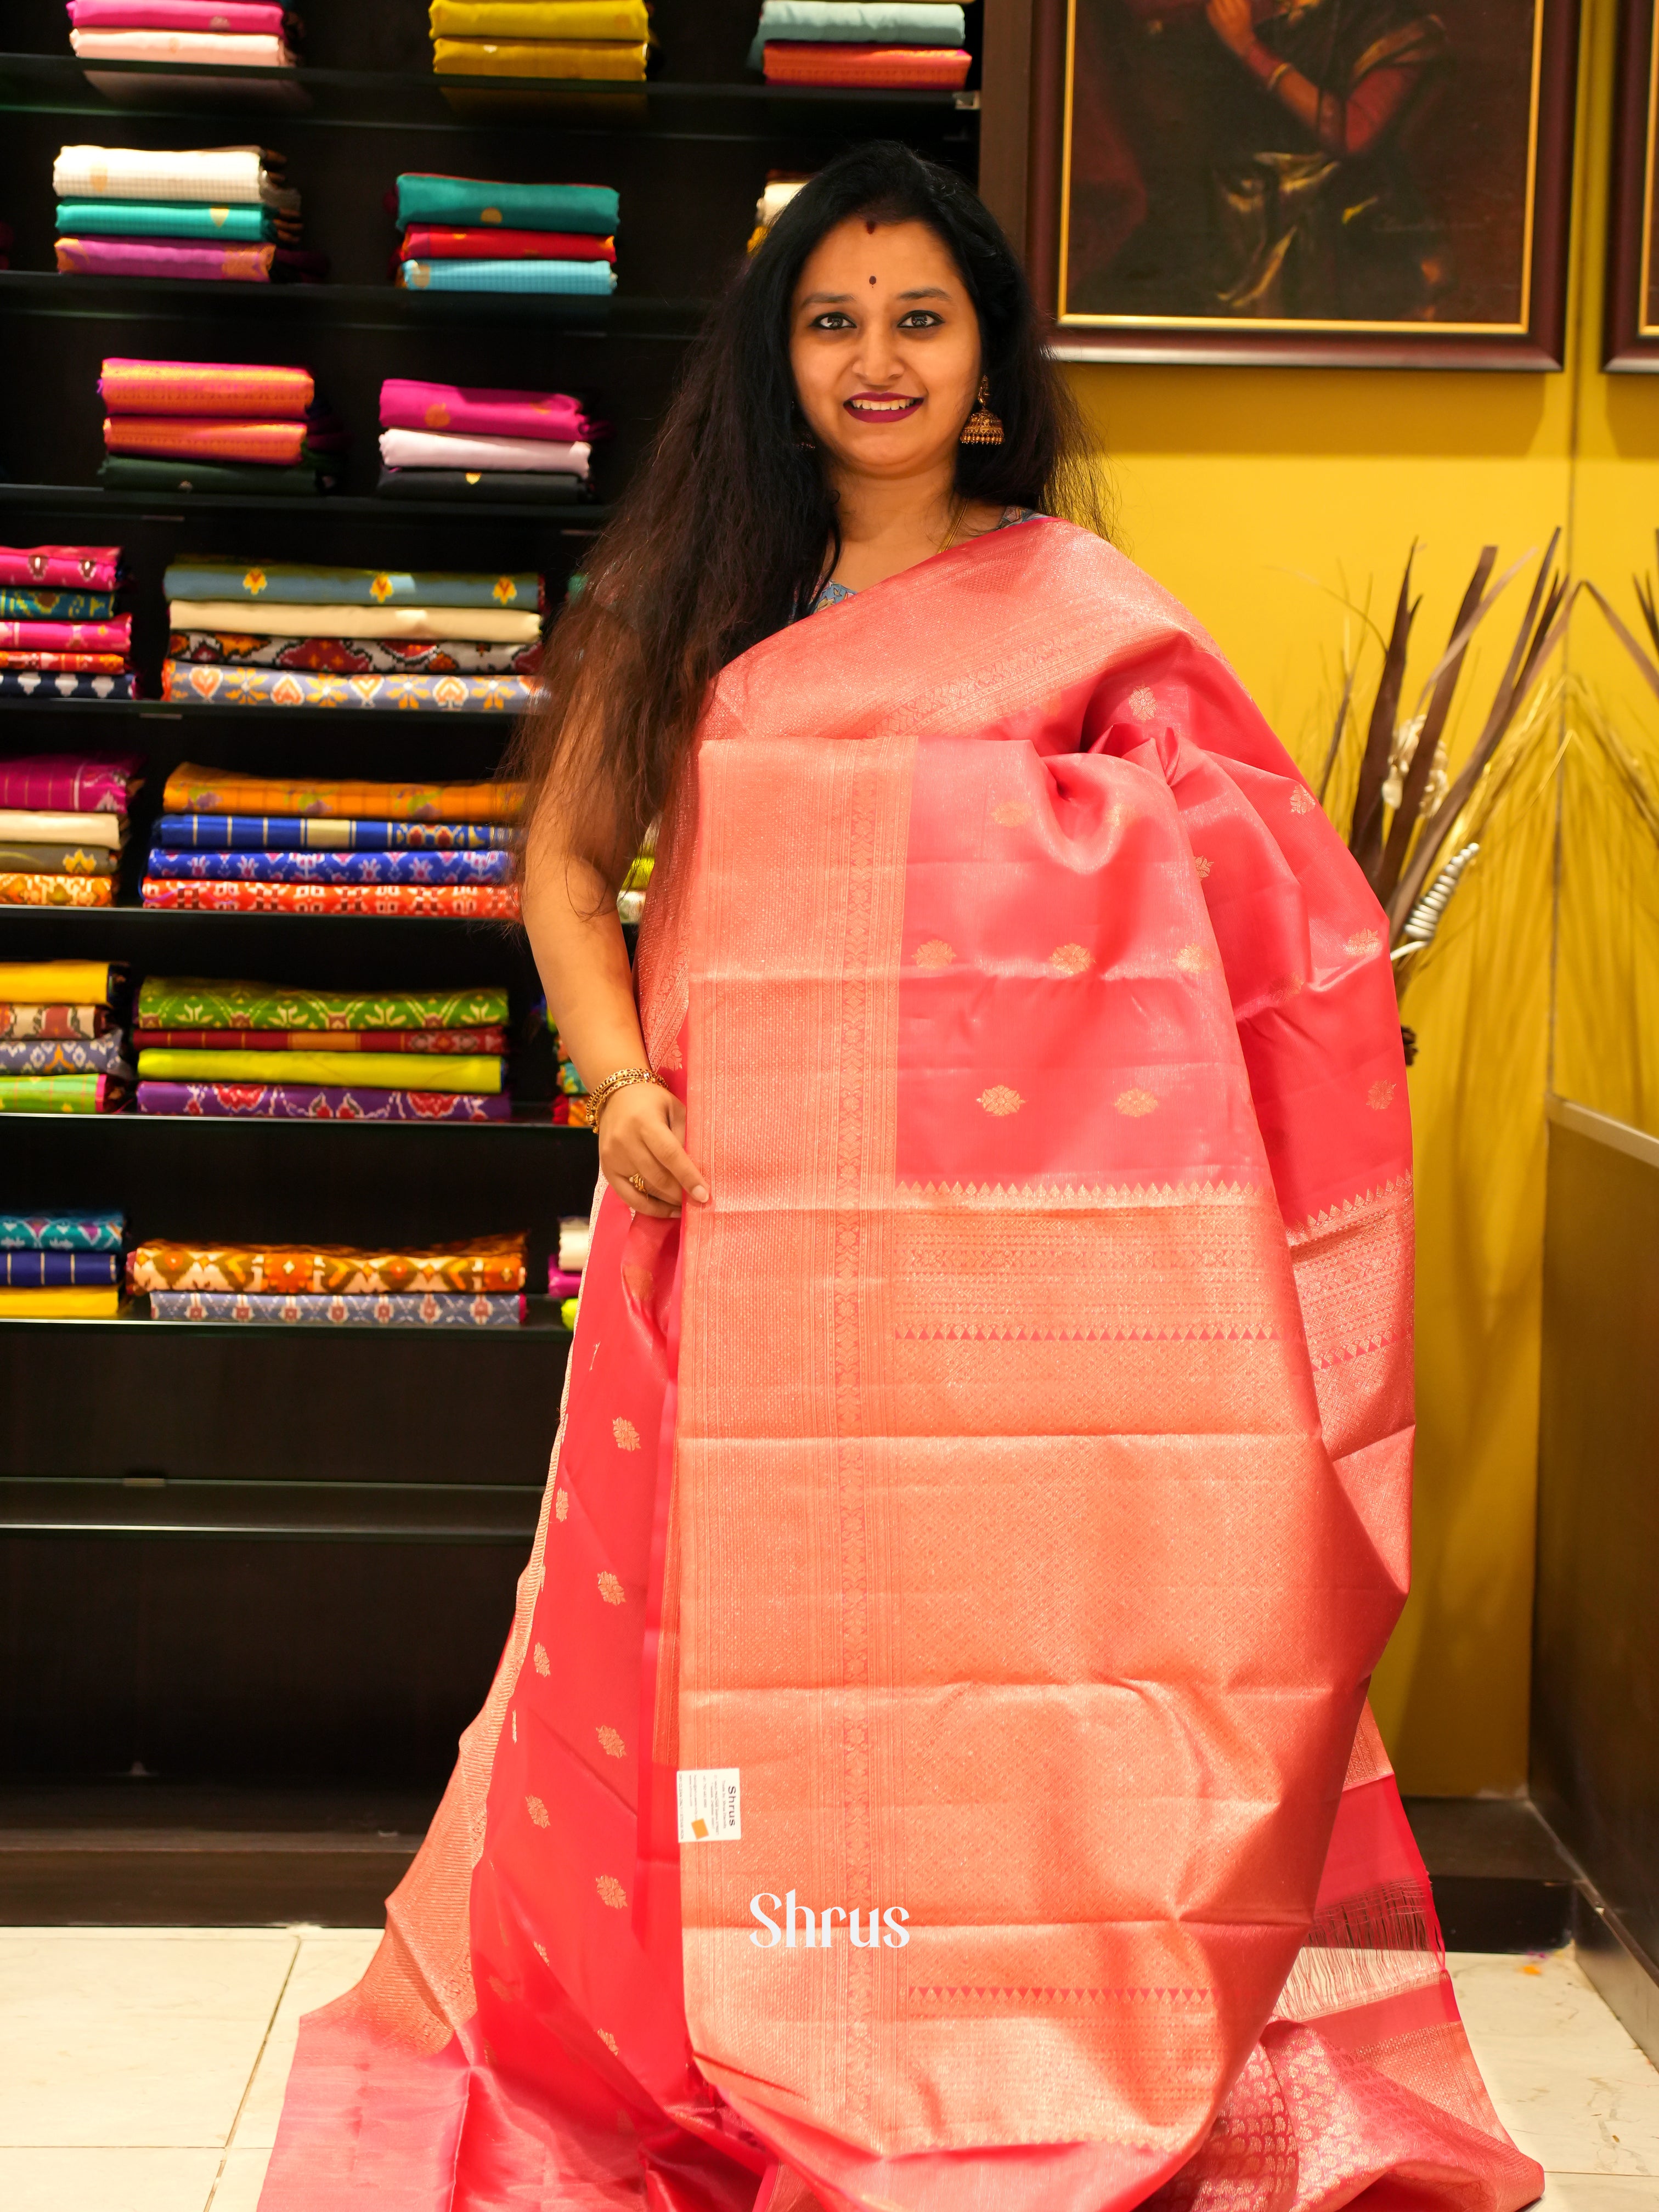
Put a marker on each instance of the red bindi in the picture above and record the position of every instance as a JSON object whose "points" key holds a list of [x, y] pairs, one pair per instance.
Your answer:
{"points": [[872, 280], [871, 227]]}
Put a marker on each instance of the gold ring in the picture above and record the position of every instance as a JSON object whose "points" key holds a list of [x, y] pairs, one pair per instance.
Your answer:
{"points": [[637, 1182]]}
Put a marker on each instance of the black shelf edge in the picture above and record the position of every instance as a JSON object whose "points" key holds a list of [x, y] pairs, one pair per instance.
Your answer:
{"points": [[228, 1127], [195, 710], [576, 518], [393, 100], [336, 1511]]}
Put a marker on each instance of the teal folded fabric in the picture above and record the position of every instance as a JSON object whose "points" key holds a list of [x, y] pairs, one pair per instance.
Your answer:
{"points": [[466, 202], [160, 219], [295, 583], [585, 277], [888, 22]]}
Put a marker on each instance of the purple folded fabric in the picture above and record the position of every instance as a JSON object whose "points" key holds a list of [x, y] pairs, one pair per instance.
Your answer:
{"points": [[70, 783], [59, 1271], [151, 256], [553, 416], [315, 1101], [561, 1283]]}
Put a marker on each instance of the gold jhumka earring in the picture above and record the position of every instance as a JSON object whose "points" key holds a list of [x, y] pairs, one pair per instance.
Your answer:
{"points": [[982, 428]]}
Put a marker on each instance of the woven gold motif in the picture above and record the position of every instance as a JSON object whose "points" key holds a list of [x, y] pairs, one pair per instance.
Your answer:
{"points": [[1071, 959], [611, 1892], [1135, 1103], [999, 1099], [611, 1590], [936, 953]]}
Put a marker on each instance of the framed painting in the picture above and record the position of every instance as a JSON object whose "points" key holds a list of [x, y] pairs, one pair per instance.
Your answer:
{"points": [[1631, 332], [1377, 182]]}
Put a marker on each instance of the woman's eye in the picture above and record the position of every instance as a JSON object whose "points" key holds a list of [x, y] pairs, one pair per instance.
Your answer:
{"points": [[921, 319], [833, 320]]}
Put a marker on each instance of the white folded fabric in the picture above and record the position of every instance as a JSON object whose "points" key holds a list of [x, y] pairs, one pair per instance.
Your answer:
{"points": [[211, 176], [21, 826], [237, 49], [475, 625], [574, 1237], [438, 449], [776, 197]]}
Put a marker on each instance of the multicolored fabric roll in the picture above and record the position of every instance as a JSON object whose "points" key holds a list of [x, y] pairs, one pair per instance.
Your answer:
{"points": [[21, 860], [353, 656], [182, 437], [490, 487], [154, 257], [185, 683], [422, 1041], [237, 175], [483, 1264], [372, 1071], [46, 684], [20, 889], [294, 582], [195, 1002], [422, 242], [539, 19], [24, 1018], [384, 1310], [62, 1232], [595, 60], [434, 902], [197, 388], [99, 1055], [301, 1101], [114, 635], [76, 568], [553, 416], [19, 604], [253, 479], [788, 61], [446, 449], [267, 833], [289, 867], [60, 1094], [473, 202], [79, 664], [246, 226], [39, 1270], [81, 783], [576, 278]]}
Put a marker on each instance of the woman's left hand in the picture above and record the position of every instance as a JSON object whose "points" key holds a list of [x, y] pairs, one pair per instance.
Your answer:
{"points": [[1233, 22]]}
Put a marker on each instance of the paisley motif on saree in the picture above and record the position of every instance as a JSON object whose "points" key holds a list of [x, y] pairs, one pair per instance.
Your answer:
{"points": [[1007, 1474]]}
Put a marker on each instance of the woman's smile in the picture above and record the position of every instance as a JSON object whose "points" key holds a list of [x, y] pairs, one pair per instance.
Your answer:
{"points": [[882, 407]]}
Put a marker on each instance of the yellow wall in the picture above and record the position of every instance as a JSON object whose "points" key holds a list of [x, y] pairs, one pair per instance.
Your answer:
{"points": [[1255, 496]]}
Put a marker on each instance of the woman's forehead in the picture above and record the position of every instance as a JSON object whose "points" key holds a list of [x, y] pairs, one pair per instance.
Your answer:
{"points": [[897, 256]]}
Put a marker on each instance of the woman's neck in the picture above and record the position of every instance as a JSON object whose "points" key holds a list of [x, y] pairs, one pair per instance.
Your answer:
{"points": [[888, 525]]}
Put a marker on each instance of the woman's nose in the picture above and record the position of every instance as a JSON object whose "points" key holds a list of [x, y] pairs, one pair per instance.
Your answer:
{"points": [[878, 360]]}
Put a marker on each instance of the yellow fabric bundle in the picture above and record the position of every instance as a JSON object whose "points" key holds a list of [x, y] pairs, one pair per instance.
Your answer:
{"points": [[55, 982], [59, 1305], [613, 59], [561, 20], [356, 1071]]}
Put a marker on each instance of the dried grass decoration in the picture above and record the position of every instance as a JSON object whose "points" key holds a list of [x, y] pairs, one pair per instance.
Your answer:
{"points": [[1414, 827]]}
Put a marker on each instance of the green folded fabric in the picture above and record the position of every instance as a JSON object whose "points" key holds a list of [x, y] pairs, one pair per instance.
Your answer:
{"points": [[161, 219], [882, 22], [52, 1094], [466, 203], [123, 473], [359, 1071], [189, 1002], [303, 583]]}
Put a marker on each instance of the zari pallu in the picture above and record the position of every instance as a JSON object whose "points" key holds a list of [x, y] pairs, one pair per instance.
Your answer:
{"points": [[930, 1765]]}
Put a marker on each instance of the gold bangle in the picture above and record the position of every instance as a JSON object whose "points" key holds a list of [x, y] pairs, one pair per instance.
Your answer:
{"points": [[1283, 69], [601, 1098]]}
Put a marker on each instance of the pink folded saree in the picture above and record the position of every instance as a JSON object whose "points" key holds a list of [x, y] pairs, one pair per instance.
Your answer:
{"points": [[112, 636], [423, 243], [930, 1765], [206, 388], [235, 16], [797, 61], [551, 417], [78, 568], [77, 783], [154, 257]]}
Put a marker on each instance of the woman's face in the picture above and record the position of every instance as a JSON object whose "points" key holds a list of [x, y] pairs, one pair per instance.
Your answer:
{"points": [[885, 346]]}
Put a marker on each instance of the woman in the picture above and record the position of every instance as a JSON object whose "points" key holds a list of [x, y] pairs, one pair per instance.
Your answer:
{"points": [[930, 1765]]}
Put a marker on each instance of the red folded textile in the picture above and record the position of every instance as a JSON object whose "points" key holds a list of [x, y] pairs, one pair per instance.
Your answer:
{"points": [[792, 61], [68, 783], [424, 244], [211, 438], [66, 664], [87, 568], [206, 388], [112, 636], [487, 902], [554, 416], [154, 257]]}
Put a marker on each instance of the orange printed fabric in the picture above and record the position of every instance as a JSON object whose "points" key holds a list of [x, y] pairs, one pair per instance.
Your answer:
{"points": [[17, 890], [192, 790], [206, 388], [930, 1763], [204, 438], [488, 1263]]}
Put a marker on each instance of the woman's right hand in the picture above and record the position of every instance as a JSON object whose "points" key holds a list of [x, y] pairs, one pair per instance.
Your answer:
{"points": [[642, 1129]]}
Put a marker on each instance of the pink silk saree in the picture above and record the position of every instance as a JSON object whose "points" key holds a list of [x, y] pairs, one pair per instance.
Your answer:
{"points": [[995, 1501]]}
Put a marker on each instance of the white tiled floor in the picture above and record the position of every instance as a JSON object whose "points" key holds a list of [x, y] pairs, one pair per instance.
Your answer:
{"points": [[142, 2069]]}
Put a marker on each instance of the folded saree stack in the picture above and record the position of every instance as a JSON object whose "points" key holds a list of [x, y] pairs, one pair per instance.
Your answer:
{"points": [[781, 188], [270, 1052], [913, 45], [61, 635], [606, 40], [441, 441], [468, 234], [459, 1286], [61, 1049], [231, 34], [244, 844], [60, 1266], [216, 426], [564, 1268], [287, 634], [63, 826], [220, 212]]}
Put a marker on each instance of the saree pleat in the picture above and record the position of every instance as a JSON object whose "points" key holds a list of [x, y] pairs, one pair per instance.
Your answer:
{"points": [[1007, 1475]]}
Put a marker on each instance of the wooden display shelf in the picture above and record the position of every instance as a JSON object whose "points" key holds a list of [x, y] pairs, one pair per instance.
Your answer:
{"points": [[578, 517]]}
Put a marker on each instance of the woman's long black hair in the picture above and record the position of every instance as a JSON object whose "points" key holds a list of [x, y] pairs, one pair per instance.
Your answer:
{"points": [[722, 537]]}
